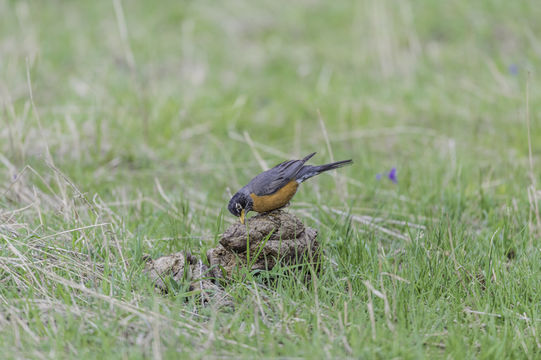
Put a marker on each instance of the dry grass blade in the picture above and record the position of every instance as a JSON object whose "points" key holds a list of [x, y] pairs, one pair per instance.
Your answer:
{"points": [[73, 230], [148, 315], [165, 197], [368, 222], [387, 309], [268, 149], [258, 157], [123, 30], [535, 229]]}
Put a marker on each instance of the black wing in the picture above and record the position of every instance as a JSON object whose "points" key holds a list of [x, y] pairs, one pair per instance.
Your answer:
{"points": [[272, 180]]}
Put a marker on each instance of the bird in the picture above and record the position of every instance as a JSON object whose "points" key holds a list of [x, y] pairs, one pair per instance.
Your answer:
{"points": [[274, 188]]}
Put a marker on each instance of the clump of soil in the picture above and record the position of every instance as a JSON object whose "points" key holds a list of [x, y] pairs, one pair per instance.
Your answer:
{"points": [[264, 241], [272, 237], [182, 267]]}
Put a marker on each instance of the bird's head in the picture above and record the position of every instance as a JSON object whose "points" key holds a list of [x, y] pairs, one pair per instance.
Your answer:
{"points": [[240, 204]]}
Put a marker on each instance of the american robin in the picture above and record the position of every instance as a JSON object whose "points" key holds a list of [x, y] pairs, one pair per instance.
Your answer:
{"points": [[272, 189]]}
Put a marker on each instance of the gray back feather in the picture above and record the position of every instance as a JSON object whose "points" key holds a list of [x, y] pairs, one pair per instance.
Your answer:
{"points": [[272, 180]]}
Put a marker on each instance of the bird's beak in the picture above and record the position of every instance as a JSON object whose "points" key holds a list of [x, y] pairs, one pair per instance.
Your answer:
{"points": [[242, 213]]}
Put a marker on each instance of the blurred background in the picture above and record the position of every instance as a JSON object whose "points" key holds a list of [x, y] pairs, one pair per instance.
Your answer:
{"points": [[200, 96]]}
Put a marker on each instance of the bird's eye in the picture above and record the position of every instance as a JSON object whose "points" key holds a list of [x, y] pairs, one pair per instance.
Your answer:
{"points": [[238, 206]]}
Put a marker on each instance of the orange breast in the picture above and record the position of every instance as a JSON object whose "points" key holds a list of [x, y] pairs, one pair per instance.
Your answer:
{"points": [[275, 201]]}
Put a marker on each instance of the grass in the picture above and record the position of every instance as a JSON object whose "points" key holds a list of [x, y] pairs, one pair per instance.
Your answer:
{"points": [[142, 120]]}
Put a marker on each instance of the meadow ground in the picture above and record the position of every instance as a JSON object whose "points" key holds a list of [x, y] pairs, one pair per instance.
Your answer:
{"points": [[126, 125]]}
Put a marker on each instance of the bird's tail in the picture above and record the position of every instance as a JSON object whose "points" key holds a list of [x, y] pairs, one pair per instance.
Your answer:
{"points": [[309, 171]]}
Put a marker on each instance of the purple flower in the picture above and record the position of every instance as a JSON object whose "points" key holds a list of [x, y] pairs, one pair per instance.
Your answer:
{"points": [[392, 175], [513, 69]]}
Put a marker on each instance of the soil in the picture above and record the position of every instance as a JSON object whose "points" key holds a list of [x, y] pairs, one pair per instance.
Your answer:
{"points": [[261, 243]]}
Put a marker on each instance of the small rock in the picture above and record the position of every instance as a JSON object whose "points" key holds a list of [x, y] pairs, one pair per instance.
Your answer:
{"points": [[183, 267], [166, 266]]}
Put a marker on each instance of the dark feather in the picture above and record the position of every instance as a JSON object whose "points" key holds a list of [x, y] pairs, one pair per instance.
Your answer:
{"points": [[308, 171], [272, 180]]}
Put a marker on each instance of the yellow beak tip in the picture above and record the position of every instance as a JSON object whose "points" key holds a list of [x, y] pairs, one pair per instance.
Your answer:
{"points": [[242, 217]]}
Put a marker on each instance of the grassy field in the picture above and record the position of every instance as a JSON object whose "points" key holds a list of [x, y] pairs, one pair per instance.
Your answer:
{"points": [[125, 127]]}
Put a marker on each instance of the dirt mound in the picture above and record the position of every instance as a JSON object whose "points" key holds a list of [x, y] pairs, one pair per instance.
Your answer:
{"points": [[265, 240], [272, 237]]}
